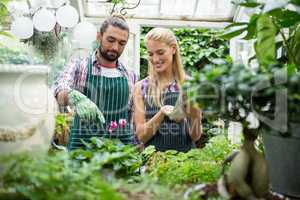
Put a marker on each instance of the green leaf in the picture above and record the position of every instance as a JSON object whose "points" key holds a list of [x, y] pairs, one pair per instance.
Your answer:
{"points": [[297, 2], [236, 24], [3, 10], [232, 34], [251, 29], [285, 18], [265, 45], [250, 4], [295, 47], [291, 69], [4, 33]]}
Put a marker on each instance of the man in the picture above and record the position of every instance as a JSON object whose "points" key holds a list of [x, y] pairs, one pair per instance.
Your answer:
{"points": [[100, 88]]}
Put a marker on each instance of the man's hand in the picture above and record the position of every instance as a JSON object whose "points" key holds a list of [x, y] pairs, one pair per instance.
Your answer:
{"points": [[85, 108]]}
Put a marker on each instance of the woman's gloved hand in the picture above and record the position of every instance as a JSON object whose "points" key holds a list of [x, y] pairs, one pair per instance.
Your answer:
{"points": [[84, 107], [178, 112], [167, 109], [172, 114]]}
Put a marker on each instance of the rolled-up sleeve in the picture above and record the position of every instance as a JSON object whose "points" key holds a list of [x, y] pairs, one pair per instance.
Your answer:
{"points": [[66, 79]]}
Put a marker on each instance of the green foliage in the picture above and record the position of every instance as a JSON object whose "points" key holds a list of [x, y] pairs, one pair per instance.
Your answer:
{"points": [[294, 43], [265, 46], [247, 3], [296, 2], [17, 56], [124, 160], [55, 177], [46, 44], [226, 90], [268, 26], [198, 47], [205, 89], [108, 169], [3, 18], [195, 166], [79, 174], [118, 1], [62, 123], [25, 57]]}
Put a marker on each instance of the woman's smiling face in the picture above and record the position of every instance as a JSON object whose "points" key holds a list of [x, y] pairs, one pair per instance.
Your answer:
{"points": [[160, 55]]}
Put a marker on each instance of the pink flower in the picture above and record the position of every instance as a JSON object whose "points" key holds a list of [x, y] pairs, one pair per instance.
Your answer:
{"points": [[122, 123], [113, 125]]}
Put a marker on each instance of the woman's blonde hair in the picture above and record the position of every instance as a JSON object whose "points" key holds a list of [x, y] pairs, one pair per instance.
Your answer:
{"points": [[154, 90]]}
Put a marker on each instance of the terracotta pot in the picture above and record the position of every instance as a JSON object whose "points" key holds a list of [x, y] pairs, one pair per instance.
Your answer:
{"points": [[27, 109]]}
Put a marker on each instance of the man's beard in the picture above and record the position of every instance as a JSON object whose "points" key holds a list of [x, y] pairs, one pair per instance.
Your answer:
{"points": [[109, 55]]}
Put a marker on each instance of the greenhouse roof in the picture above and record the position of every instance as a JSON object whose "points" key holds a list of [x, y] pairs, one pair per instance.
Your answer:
{"points": [[181, 10]]}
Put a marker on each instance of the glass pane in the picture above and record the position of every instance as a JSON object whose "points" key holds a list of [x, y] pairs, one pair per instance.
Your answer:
{"points": [[215, 9], [177, 7]]}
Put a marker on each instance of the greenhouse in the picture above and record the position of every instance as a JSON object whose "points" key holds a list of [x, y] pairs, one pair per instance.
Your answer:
{"points": [[149, 99]]}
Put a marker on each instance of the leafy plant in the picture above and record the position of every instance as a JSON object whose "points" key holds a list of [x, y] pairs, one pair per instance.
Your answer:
{"points": [[4, 18], [195, 166], [274, 27], [90, 173], [230, 91], [46, 44], [17, 56], [54, 177], [118, 1], [62, 123], [200, 47], [124, 160], [233, 91], [62, 128]]}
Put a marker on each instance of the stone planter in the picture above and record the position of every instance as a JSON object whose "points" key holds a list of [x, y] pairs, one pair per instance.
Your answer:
{"points": [[27, 109]]}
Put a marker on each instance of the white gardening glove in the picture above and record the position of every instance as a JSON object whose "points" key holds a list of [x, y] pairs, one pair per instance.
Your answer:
{"points": [[168, 110], [178, 112]]}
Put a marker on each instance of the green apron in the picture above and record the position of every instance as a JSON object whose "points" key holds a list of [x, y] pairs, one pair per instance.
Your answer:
{"points": [[111, 95], [170, 135]]}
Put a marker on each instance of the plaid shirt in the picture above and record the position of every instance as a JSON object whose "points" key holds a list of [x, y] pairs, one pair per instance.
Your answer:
{"points": [[74, 76]]}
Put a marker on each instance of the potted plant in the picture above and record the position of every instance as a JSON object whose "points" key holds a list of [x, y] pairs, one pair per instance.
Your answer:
{"points": [[270, 93]]}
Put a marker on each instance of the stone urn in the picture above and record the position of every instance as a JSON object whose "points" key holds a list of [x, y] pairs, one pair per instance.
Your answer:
{"points": [[27, 109]]}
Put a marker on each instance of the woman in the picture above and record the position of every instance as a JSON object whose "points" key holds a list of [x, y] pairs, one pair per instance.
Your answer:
{"points": [[154, 95]]}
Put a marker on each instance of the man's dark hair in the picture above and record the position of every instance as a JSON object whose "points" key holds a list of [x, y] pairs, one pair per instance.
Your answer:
{"points": [[116, 21]]}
